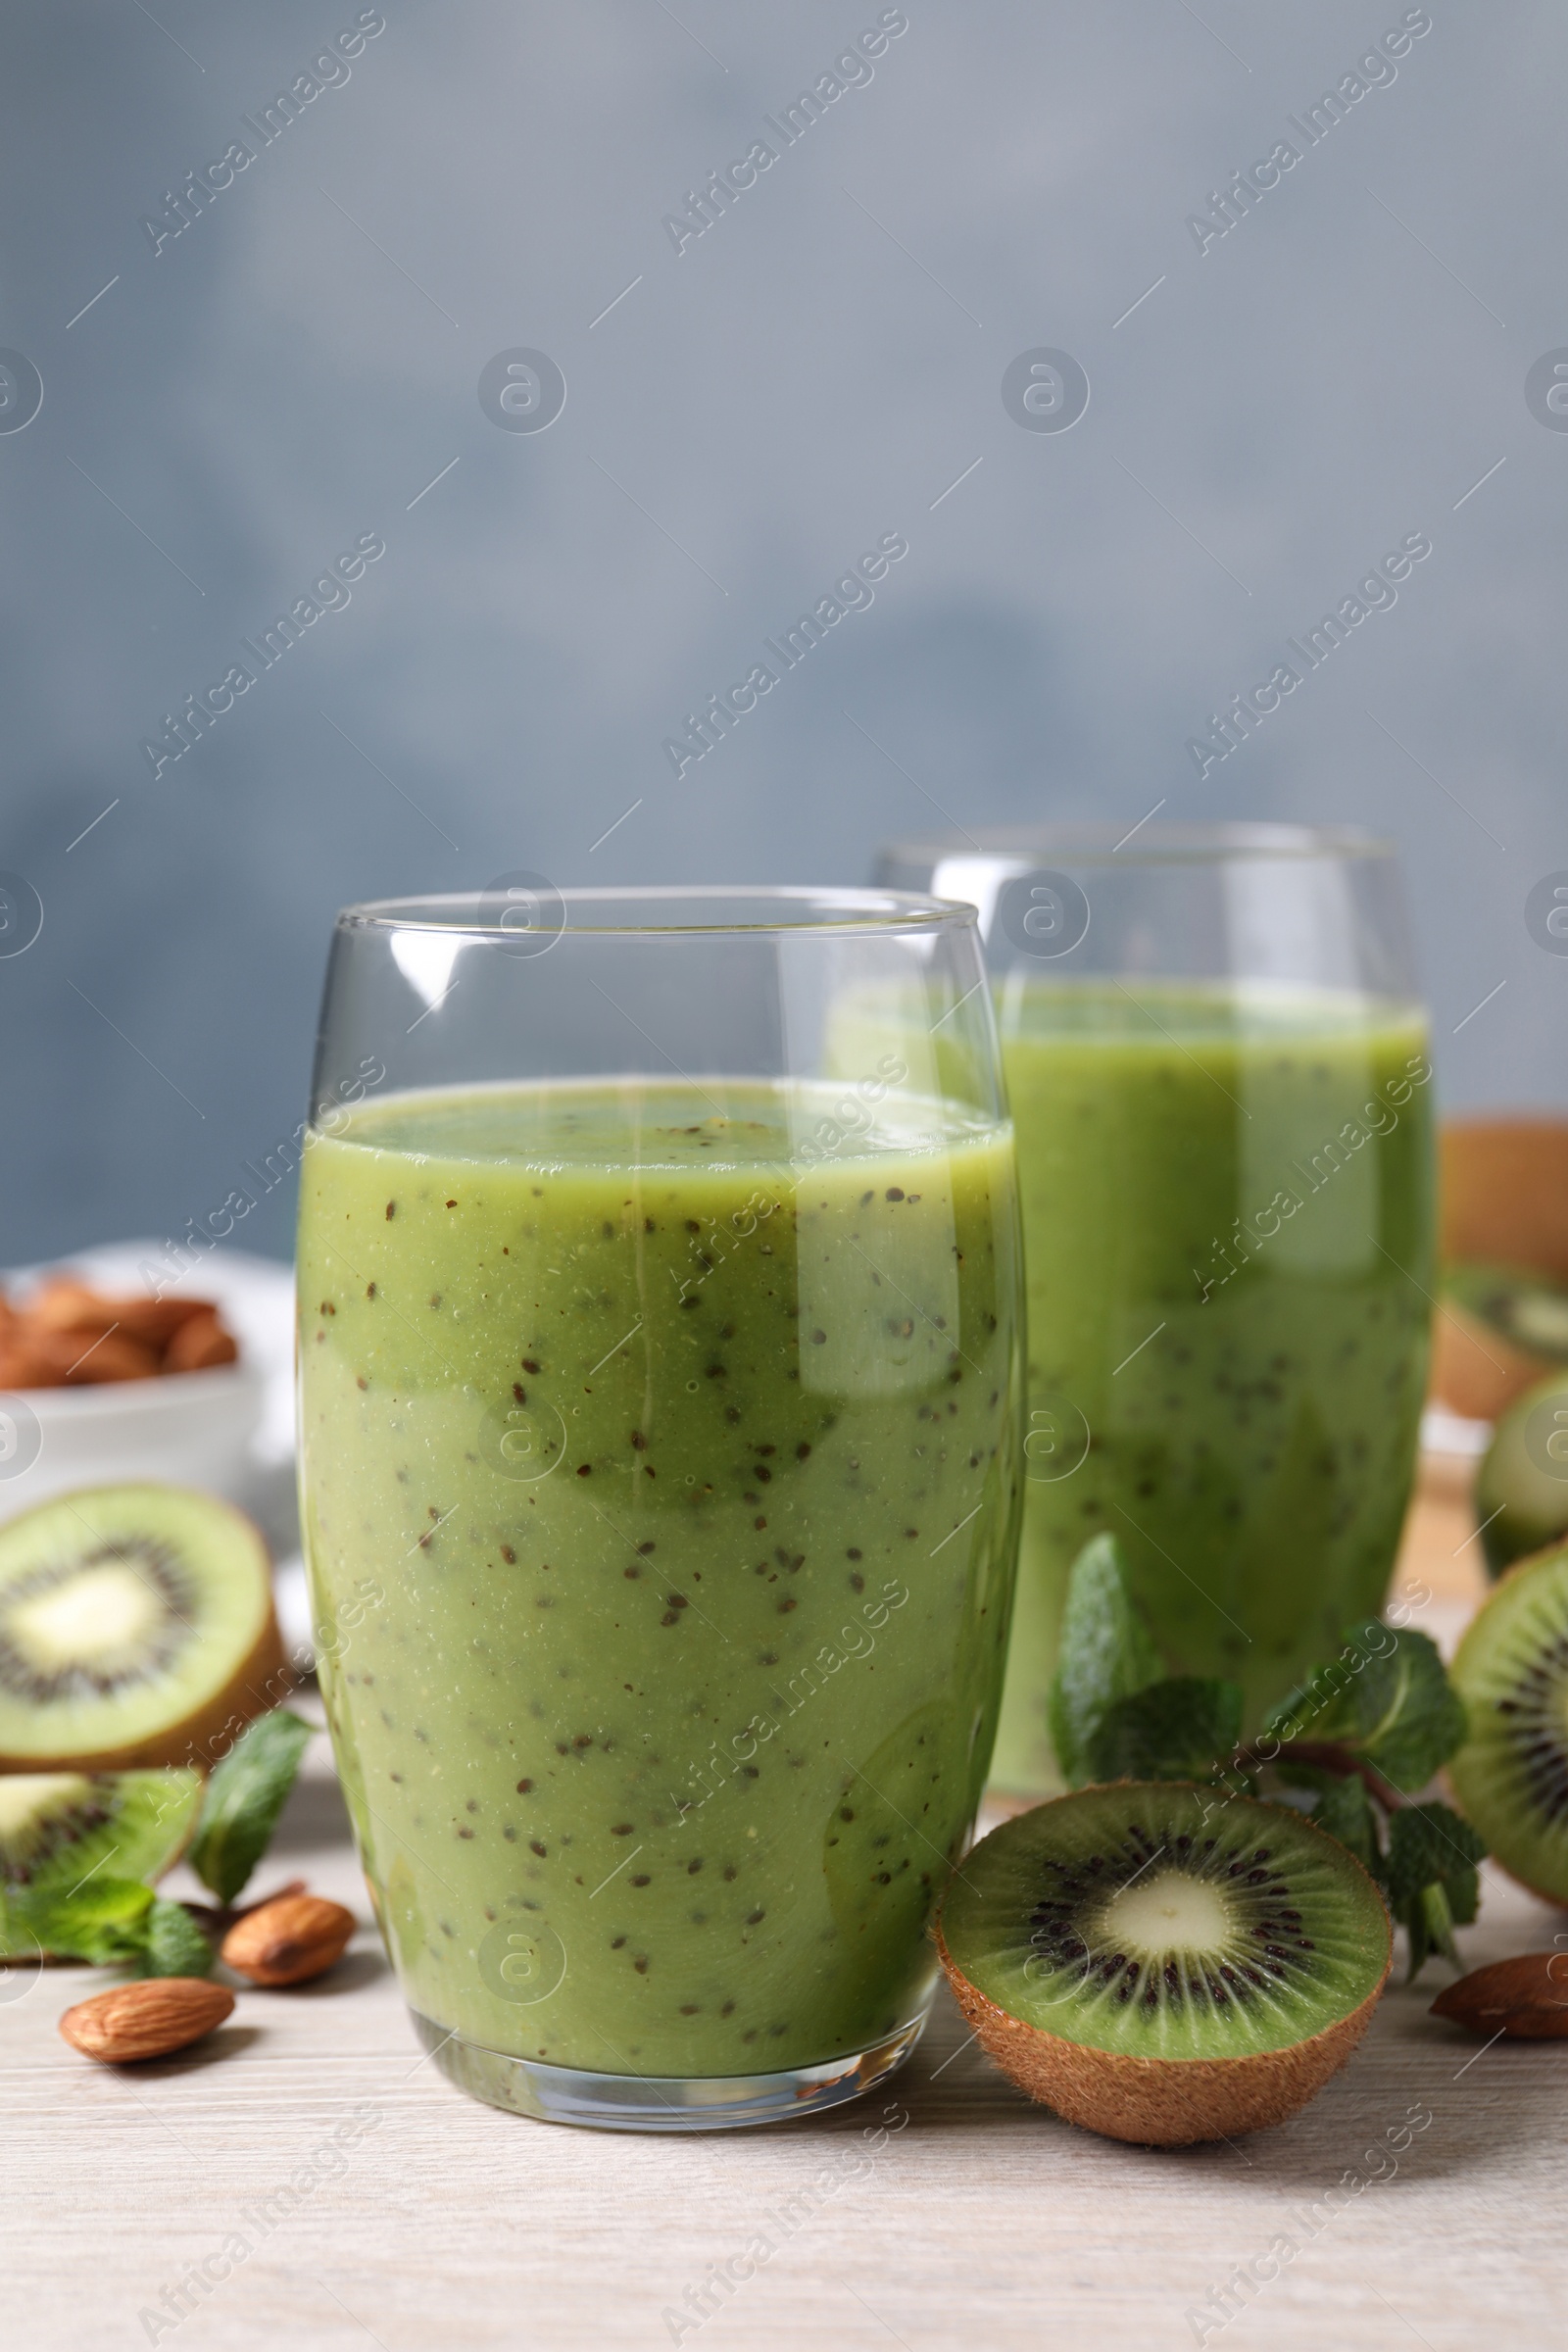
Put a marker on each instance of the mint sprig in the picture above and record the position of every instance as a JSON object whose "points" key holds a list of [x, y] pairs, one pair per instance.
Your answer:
{"points": [[245, 1796], [103, 1921], [1171, 1731], [114, 1922], [1385, 1699], [174, 1946], [1345, 1810], [1431, 1877], [1350, 1745], [1105, 1655]]}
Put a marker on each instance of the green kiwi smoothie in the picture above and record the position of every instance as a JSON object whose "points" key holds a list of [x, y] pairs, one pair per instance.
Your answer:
{"points": [[660, 1469], [1228, 1234]]}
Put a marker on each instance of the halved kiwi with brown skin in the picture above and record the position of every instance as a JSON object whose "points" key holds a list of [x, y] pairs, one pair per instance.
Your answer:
{"points": [[136, 1627], [1163, 1963], [1510, 1778]]}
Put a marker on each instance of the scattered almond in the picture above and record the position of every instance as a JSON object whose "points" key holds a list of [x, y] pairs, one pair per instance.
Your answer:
{"points": [[146, 2019], [1526, 1999], [288, 1941]]}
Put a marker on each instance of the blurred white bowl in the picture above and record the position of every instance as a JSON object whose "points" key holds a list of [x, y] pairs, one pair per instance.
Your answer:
{"points": [[229, 1431], [190, 1429]]}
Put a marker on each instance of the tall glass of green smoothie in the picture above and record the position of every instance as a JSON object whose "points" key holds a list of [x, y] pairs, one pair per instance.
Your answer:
{"points": [[1218, 1074], [661, 1403]]}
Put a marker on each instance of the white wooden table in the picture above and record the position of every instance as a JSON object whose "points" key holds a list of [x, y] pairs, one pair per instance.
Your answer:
{"points": [[980, 2221]]}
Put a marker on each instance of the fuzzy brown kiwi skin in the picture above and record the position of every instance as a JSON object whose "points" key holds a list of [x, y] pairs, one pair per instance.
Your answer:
{"points": [[258, 1683], [1161, 2102]]}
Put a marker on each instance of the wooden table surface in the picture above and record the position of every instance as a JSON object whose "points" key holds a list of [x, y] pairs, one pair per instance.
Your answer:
{"points": [[979, 2220]]}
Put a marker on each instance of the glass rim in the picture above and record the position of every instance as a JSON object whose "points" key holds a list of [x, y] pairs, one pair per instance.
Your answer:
{"points": [[828, 909], [1094, 842]]}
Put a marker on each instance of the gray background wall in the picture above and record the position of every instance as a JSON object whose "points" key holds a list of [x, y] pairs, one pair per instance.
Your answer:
{"points": [[813, 371]]}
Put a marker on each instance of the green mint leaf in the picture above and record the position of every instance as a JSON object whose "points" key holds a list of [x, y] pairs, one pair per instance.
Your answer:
{"points": [[1415, 1921], [1345, 1810], [1463, 1890], [1428, 1922], [1431, 1878], [1430, 1845], [103, 1921], [1105, 1654], [1177, 1730], [244, 1797], [1384, 1698], [174, 1945], [1438, 1917]]}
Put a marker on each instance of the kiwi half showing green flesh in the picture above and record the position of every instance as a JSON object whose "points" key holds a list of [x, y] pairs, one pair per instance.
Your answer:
{"points": [[1522, 1487], [1511, 1775], [59, 1829], [1162, 1964], [136, 1625]]}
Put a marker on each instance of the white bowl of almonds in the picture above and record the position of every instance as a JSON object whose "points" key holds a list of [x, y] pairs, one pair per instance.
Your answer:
{"points": [[97, 1386]]}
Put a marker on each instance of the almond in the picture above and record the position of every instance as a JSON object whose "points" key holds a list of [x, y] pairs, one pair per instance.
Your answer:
{"points": [[63, 1304], [146, 2019], [86, 1359], [200, 1342], [66, 1332], [155, 1321], [1526, 1999], [288, 1941]]}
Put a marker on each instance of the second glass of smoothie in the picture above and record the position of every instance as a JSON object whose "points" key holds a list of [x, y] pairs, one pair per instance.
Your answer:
{"points": [[1218, 1073], [661, 1406]]}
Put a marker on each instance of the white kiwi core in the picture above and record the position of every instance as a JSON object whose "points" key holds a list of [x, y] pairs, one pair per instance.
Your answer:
{"points": [[103, 1618], [1166, 1912]]}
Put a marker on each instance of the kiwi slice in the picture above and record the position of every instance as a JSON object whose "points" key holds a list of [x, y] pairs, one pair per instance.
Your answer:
{"points": [[1164, 1964], [136, 1626], [1511, 1775], [57, 1828], [61, 1829], [1522, 1487]]}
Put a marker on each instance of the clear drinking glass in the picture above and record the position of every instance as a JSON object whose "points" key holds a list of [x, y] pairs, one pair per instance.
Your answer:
{"points": [[660, 1399], [1217, 1067]]}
